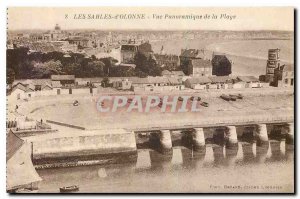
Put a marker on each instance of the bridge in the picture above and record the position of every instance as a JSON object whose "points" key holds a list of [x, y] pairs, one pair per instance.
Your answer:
{"points": [[217, 122], [196, 130]]}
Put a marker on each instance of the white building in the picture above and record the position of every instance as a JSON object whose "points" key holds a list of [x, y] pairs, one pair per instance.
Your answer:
{"points": [[250, 81], [18, 92]]}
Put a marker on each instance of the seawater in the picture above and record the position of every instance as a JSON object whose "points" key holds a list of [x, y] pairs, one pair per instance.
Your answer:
{"points": [[250, 169]]}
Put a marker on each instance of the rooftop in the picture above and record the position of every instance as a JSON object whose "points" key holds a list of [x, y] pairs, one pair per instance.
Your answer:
{"points": [[178, 73], [77, 38], [30, 88], [46, 85], [56, 84], [19, 86], [175, 73], [248, 78], [174, 81], [166, 56], [199, 80], [220, 79], [160, 80], [137, 80]]}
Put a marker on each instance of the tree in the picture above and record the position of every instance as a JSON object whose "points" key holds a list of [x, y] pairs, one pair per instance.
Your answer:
{"points": [[15, 59], [23, 65], [146, 65], [46, 69], [94, 69], [122, 71], [10, 76], [70, 68], [109, 62], [141, 62], [154, 69], [53, 66], [140, 74], [93, 57]]}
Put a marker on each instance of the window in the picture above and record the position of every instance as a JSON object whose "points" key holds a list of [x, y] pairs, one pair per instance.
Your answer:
{"points": [[286, 81], [292, 82]]}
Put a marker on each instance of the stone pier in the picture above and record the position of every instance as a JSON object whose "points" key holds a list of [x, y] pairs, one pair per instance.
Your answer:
{"points": [[94, 147], [262, 134], [231, 140], [290, 134], [198, 139], [165, 141]]}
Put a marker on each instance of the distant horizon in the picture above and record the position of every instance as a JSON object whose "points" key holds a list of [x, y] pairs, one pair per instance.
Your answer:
{"points": [[162, 30]]}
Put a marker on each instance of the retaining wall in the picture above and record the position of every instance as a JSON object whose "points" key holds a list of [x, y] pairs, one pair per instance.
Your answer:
{"points": [[71, 148]]}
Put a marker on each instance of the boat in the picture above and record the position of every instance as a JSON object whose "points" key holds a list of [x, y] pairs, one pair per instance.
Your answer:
{"points": [[69, 189], [240, 96], [233, 97], [197, 98], [205, 104], [225, 97], [75, 103]]}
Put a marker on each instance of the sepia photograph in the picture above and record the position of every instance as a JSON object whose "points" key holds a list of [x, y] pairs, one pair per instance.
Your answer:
{"points": [[150, 100]]}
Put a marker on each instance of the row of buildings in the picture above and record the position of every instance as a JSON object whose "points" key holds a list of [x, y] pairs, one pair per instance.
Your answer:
{"points": [[192, 62], [60, 40], [68, 84]]}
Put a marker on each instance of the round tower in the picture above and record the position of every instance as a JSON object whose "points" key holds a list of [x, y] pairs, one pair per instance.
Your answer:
{"points": [[272, 63]]}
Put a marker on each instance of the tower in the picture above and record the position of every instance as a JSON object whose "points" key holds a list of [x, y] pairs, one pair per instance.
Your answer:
{"points": [[272, 63], [57, 27]]}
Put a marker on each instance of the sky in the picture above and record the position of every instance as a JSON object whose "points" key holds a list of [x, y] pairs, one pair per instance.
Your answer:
{"points": [[255, 18]]}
